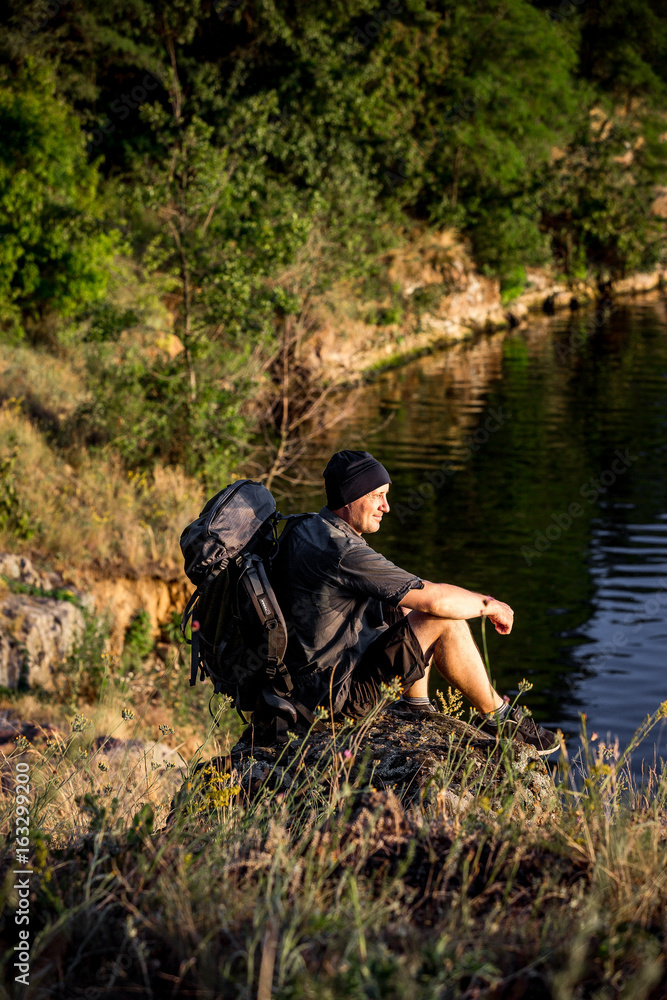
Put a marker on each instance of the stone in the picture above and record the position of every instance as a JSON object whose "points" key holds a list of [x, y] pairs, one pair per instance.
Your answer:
{"points": [[36, 634], [429, 757], [21, 569]]}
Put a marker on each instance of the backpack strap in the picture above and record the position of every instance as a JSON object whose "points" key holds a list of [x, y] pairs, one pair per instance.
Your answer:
{"points": [[187, 614], [256, 583], [194, 657]]}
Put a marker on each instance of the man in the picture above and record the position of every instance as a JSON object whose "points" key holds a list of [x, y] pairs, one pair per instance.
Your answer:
{"points": [[339, 596]]}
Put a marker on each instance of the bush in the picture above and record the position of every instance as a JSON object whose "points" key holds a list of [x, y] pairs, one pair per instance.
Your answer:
{"points": [[84, 672], [54, 254], [138, 642]]}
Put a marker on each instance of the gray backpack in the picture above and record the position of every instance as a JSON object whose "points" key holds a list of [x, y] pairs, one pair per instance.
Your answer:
{"points": [[238, 631]]}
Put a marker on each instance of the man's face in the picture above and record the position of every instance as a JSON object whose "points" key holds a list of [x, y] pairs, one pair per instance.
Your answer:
{"points": [[365, 514]]}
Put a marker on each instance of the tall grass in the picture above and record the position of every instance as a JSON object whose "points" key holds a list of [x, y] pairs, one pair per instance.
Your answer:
{"points": [[87, 509], [322, 885]]}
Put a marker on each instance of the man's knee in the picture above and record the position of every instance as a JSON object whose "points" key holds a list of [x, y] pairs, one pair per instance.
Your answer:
{"points": [[430, 630], [454, 629]]}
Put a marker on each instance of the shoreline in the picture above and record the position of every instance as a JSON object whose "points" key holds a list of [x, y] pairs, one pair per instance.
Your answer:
{"points": [[350, 356]]}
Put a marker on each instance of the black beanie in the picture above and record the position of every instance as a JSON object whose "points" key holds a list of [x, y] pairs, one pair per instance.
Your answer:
{"points": [[350, 475]]}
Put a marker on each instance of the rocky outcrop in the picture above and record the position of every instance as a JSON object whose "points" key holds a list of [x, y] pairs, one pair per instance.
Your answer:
{"points": [[123, 597], [437, 297], [36, 634], [428, 756], [42, 615], [21, 569], [39, 624]]}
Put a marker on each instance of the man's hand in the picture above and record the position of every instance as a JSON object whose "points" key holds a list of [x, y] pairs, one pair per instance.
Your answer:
{"points": [[500, 614]]}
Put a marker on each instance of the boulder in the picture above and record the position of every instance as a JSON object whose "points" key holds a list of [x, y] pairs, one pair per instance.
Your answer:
{"points": [[36, 634], [20, 568], [425, 757], [37, 627]]}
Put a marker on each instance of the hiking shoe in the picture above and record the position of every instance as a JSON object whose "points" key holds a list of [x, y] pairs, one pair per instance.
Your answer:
{"points": [[517, 726], [402, 707]]}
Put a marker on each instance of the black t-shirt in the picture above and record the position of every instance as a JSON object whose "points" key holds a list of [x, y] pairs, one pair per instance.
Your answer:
{"points": [[331, 586]]}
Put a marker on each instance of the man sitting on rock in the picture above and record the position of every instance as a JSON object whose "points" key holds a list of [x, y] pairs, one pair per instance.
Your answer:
{"points": [[357, 621]]}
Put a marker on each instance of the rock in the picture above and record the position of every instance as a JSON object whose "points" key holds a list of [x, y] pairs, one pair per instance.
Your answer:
{"points": [[429, 757], [122, 598], [639, 284], [20, 568], [36, 634]]}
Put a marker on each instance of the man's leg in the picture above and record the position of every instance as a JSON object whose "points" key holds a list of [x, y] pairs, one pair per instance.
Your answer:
{"points": [[457, 659]]}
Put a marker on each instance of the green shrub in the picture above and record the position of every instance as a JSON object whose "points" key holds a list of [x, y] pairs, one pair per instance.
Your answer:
{"points": [[54, 253], [15, 518], [138, 641], [85, 669]]}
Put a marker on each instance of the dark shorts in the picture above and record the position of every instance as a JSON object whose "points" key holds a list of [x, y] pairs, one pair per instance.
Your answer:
{"points": [[394, 654]]}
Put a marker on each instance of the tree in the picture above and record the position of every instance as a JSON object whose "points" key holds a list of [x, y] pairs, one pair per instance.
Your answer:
{"points": [[596, 205], [54, 252]]}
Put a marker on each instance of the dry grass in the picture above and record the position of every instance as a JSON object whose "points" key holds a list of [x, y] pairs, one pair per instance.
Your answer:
{"points": [[325, 889], [87, 510], [48, 386]]}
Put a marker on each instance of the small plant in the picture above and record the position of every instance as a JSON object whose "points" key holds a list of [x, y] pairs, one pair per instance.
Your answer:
{"points": [[451, 703], [56, 593], [427, 298], [14, 516], [384, 316], [84, 670], [139, 642], [512, 284]]}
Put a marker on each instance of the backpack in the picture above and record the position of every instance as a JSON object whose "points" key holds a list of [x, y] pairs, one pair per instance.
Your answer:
{"points": [[239, 634]]}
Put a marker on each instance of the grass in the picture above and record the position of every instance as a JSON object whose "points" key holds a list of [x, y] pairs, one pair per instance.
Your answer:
{"points": [[324, 887], [86, 510]]}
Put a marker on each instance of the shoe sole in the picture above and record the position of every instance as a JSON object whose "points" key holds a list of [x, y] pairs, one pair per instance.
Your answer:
{"points": [[540, 753]]}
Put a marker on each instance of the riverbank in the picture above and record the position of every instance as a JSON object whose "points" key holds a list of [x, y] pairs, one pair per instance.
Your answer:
{"points": [[434, 297]]}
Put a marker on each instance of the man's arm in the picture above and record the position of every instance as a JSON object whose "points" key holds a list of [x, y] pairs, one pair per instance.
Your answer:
{"points": [[446, 601]]}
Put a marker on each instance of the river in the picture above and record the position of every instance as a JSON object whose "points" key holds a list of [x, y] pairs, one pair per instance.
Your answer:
{"points": [[532, 465]]}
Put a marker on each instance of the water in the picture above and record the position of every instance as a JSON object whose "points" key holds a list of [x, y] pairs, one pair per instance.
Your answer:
{"points": [[532, 465]]}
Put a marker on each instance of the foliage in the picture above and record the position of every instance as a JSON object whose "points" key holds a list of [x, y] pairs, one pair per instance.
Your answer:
{"points": [[251, 153], [83, 507], [140, 404], [15, 518], [624, 48], [138, 641], [54, 251], [597, 206], [84, 671], [254, 121]]}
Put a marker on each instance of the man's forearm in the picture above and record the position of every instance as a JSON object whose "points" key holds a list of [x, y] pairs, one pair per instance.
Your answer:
{"points": [[444, 600]]}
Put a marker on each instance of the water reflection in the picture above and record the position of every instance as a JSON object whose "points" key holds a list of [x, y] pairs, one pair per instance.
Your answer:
{"points": [[531, 465]]}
